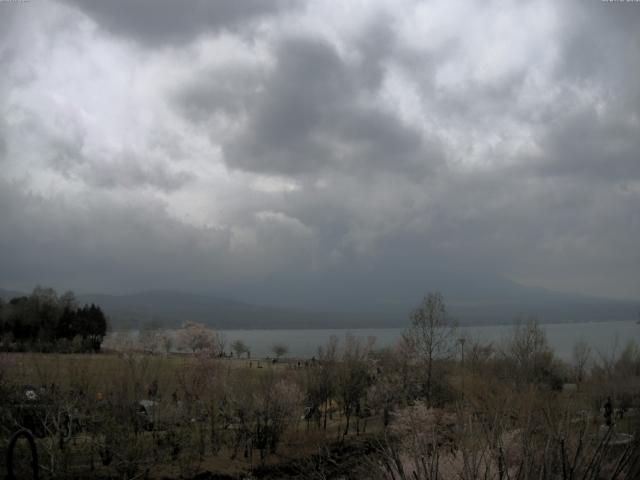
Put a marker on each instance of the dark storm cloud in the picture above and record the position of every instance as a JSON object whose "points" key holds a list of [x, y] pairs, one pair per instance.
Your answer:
{"points": [[327, 159], [125, 170], [111, 243], [3, 144], [597, 139], [602, 148], [313, 113], [8, 14], [601, 41], [229, 91], [156, 23], [102, 243], [129, 172], [375, 44]]}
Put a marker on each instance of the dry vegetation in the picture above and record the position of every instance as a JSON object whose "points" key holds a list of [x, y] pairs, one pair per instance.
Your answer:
{"points": [[425, 409]]}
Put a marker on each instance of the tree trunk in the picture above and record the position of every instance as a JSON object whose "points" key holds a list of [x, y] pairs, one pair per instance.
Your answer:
{"points": [[346, 430], [326, 408], [429, 365]]}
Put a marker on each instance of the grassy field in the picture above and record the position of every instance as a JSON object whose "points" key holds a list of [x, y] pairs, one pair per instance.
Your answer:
{"points": [[92, 380], [135, 415], [97, 372]]}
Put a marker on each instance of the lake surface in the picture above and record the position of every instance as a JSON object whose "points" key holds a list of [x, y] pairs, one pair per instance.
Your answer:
{"points": [[604, 337]]}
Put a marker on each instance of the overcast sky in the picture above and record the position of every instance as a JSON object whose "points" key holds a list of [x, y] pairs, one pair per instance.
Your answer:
{"points": [[281, 151]]}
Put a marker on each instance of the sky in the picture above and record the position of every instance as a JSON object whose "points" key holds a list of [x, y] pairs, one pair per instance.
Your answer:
{"points": [[319, 153]]}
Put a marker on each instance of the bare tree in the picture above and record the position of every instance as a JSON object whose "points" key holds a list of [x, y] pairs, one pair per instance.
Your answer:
{"points": [[353, 377], [262, 407], [431, 333], [239, 347], [221, 343], [197, 337], [277, 405], [325, 374], [279, 349], [581, 356], [149, 341], [395, 377], [529, 356], [202, 386], [166, 341]]}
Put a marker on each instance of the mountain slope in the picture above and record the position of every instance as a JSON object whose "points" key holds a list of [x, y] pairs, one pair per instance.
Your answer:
{"points": [[7, 295], [168, 308], [173, 308]]}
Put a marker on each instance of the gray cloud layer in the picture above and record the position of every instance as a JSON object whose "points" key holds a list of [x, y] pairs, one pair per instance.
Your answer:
{"points": [[313, 114], [309, 153], [165, 22]]}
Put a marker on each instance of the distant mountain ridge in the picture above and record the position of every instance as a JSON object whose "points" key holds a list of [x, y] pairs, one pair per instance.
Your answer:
{"points": [[170, 308], [161, 308], [7, 295]]}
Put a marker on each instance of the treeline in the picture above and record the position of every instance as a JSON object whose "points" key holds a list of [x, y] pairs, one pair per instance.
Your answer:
{"points": [[436, 406], [46, 322], [500, 413]]}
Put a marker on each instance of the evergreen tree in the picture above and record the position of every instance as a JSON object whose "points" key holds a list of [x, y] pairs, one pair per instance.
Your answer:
{"points": [[45, 318]]}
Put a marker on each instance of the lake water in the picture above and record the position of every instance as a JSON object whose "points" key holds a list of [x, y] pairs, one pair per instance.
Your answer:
{"points": [[604, 337]]}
